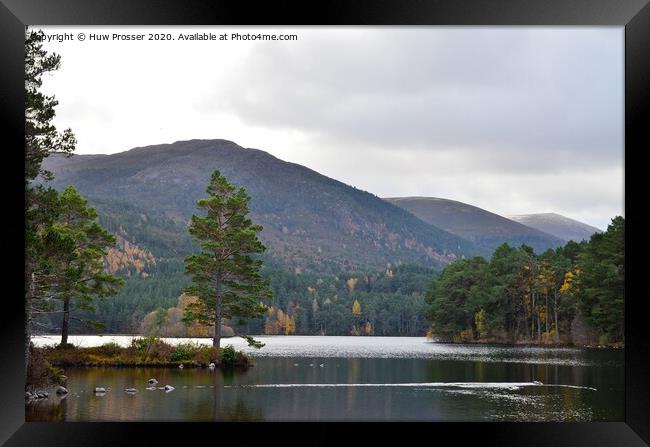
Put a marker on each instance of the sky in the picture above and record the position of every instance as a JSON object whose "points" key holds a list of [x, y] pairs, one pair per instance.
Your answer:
{"points": [[514, 120]]}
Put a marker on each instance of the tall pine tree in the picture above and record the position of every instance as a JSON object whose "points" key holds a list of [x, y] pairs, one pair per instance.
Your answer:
{"points": [[82, 244], [225, 278], [41, 139]]}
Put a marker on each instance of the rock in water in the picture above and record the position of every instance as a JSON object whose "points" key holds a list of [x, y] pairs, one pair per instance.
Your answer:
{"points": [[212, 366], [61, 390], [99, 389], [181, 366], [169, 388], [152, 381], [131, 390]]}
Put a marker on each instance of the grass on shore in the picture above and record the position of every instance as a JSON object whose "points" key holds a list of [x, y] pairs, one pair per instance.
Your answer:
{"points": [[146, 352]]}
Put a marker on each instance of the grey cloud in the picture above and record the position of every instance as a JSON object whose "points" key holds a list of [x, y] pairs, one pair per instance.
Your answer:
{"points": [[514, 120], [518, 99]]}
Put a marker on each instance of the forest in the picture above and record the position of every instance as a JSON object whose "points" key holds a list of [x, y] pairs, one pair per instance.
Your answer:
{"points": [[573, 294], [390, 302], [520, 296]]}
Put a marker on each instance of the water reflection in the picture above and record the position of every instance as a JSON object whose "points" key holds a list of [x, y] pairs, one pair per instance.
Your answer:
{"points": [[253, 394]]}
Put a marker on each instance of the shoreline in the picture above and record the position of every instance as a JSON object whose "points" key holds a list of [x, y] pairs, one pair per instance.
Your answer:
{"points": [[523, 344]]}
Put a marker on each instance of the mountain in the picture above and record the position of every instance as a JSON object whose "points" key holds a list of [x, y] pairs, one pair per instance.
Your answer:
{"points": [[482, 227], [311, 222], [557, 225]]}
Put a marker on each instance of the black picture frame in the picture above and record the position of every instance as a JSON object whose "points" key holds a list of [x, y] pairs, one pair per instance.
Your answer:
{"points": [[634, 15]]}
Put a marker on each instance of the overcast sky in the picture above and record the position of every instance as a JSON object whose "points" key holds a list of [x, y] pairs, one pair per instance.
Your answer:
{"points": [[514, 120]]}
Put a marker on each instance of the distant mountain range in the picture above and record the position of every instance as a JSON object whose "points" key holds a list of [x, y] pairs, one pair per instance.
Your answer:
{"points": [[557, 225], [311, 222], [486, 229]]}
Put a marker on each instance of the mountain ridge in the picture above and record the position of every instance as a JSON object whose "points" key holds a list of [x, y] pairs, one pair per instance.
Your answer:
{"points": [[310, 221], [558, 225], [483, 227]]}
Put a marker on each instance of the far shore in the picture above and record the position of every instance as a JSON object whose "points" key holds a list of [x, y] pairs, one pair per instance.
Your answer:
{"points": [[520, 343]]}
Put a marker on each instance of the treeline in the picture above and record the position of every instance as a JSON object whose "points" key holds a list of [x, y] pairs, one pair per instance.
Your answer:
{"points": [[520, 296], [392, 302], [571, 294], [389, 302], [123, 312]]}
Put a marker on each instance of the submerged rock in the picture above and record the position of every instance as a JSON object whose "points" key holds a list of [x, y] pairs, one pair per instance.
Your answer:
{"points": [[61, 390], [131, 390]]}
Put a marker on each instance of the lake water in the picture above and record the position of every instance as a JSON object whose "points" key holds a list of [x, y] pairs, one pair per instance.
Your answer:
{"points": [[301, 378]]}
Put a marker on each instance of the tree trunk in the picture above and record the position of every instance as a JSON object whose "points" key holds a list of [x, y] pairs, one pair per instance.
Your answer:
{"points": [[547, 313], [532, 317], [557, 329], [28, 321], [216, 341], [65, 325], [515, 326], [27, 335], [28, 324]]}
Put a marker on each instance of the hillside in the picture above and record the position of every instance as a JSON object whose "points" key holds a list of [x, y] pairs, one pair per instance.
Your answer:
{"points": [[482, 227], [311, 222], [557, 225]]}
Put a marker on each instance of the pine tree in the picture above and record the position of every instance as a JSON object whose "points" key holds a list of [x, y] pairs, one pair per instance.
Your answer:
{"points": [[224, 276], [40, 213], [80, 246], [41, 139]]}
